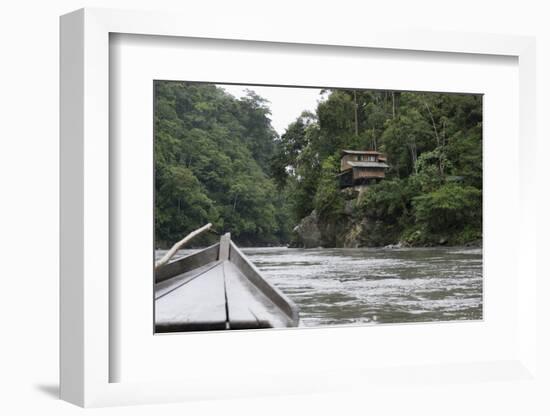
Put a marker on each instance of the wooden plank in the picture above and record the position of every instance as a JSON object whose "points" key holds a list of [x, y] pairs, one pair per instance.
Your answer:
{"points": [[198, 305], [187, 263], [175, 282], [238, 300], [225, 241], [286, 306], [248, 307], [227, 293]]}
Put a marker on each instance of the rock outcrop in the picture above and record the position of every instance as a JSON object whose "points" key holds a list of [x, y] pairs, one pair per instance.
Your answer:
{"points": [[349, 232], [307, 233]]}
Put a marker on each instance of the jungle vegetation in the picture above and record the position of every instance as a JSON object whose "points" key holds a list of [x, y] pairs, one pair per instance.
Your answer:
{"points": [[218, 159]]}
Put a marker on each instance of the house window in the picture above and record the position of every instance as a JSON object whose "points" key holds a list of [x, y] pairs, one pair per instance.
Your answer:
{"points": [[371, 158], [359, 157]]}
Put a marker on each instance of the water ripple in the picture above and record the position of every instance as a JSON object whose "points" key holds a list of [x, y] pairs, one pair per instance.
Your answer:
{"points": [[368, 286]]}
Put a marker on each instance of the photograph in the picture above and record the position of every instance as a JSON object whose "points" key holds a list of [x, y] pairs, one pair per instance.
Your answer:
{"points": [[301, 207]]}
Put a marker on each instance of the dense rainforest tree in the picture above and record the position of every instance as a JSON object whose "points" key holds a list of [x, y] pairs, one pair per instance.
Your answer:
{"points": [[212, 164], [217, 159], [434, 146]]}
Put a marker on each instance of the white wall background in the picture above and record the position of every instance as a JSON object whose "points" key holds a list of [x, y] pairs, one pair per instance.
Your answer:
{"points": [[29, 209]]}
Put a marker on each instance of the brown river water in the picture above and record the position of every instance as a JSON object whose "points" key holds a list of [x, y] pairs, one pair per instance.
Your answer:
{"points": [[375, 286]]}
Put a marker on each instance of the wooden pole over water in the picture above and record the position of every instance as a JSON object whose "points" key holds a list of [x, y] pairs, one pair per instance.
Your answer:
{"points": [[170, 253]]}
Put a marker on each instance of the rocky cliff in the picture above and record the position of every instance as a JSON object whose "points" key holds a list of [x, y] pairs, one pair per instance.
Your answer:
{"points": [[349, 231]]}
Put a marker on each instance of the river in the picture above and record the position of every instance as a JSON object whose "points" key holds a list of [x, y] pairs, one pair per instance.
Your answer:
{"points": [[343, 286], [375, 286]]}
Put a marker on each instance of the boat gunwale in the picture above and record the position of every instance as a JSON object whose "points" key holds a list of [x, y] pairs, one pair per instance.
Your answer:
{"points": [[186, 263], [281, 300], [234, 255]]}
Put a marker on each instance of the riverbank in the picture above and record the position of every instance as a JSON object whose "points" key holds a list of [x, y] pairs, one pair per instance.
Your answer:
{"points": [[350, 231]]}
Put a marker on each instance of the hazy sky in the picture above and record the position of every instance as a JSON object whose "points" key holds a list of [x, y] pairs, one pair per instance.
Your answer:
{"points": [[287, 103]]}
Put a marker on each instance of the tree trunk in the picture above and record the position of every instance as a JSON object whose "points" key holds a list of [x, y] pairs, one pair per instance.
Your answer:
{"points": [[433, 122], [414, 155], [356, 111]]}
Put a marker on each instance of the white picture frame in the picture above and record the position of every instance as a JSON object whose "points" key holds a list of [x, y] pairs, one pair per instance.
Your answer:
{"points": [[86, 219]]}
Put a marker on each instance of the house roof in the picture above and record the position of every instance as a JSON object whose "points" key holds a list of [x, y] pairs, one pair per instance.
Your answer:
{"points": [[364, 164], [361, 152]]}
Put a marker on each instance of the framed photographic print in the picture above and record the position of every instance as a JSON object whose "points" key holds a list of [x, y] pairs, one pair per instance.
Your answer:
{"points": [[236, 210], [349, 206]]}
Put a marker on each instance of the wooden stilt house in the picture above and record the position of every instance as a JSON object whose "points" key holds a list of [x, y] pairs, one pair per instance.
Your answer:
{"points": [[360, 168]]}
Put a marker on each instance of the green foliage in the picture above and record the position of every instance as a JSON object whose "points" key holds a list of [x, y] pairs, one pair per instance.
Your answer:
{"points": [[432, 191], [182, 203], [328, 200], [404, 137], [212, 157], [288, 149], [450, 207], [389, 201], [296, 167], [430, 170], [218, 159]]}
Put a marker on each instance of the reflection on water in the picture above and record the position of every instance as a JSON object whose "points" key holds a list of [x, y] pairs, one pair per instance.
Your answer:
{"points": [[353, 286]]}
